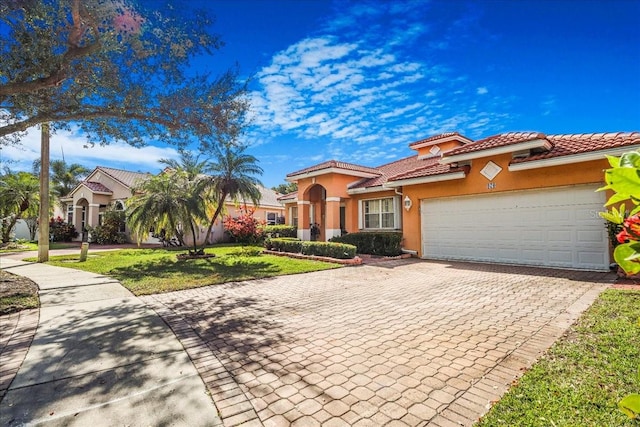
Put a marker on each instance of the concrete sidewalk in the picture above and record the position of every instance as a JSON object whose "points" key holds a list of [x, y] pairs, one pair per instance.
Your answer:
{"points": [[101, 357]]}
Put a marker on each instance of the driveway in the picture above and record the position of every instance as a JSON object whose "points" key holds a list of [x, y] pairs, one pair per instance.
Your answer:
{"points": [[407, 343]]}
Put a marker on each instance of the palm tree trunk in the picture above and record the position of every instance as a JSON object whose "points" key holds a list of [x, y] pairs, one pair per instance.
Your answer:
{"points": [[215, 216], [193, 233], [43, 212]]}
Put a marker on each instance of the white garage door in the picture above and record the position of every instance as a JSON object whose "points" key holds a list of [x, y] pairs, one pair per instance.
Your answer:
{"points": [[551, 227]]}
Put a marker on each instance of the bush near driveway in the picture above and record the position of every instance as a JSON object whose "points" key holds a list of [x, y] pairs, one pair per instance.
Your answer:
{"points": [[374, 243], [323, 249]]}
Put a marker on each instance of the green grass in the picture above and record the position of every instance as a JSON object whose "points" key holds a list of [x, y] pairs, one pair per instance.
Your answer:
{"points": [[151, 271], [583, 376], [33, 246]]}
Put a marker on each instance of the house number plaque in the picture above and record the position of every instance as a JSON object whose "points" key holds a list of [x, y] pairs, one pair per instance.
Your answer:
{"points": [[491, 185]]}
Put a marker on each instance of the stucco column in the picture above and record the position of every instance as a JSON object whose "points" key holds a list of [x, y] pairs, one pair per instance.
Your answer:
{"points": [[77, 218], [304, 232], [92, 217], [332, 217]]}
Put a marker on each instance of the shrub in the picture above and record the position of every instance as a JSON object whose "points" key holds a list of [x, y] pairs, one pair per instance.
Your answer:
{"points": [[326, 249], [280, 230], [60, 231], [245, 228], [109, 231], [374, 243], [283, 244], [329, 249]]}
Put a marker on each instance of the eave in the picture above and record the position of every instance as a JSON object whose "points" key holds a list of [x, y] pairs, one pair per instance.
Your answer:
{"points": [[511, 148], [333, 170], [426, 179], [569, 159]]}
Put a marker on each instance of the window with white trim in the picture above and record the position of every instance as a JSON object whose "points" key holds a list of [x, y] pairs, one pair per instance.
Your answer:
{"points": [[294, 216], [377, 214]]}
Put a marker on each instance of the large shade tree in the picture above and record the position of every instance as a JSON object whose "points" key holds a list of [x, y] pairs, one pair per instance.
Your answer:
{"points": [[232, 174], [114, 70]]}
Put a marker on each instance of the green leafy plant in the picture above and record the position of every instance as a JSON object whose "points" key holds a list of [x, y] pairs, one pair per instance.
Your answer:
{"points": [[280, 230], [61, 231], [623, 178], [109, 232], [374, 243]]}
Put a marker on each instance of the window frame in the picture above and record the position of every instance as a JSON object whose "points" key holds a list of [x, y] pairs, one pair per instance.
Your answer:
{"points": [[396, 212]]}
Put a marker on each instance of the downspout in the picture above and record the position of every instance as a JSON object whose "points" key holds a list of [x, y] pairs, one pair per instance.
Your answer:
{"points": [[404, 251]]}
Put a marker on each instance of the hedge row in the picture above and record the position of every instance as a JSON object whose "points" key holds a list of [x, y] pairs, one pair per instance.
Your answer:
{"points": [[374, 243], [280, 231], [327, 249]]}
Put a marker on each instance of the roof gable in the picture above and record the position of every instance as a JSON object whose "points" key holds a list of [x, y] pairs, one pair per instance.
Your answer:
{"points": [[334, 166]]}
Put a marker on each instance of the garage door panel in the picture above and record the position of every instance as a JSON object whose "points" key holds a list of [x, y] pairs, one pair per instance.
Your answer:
{"points": [[558, 227]]}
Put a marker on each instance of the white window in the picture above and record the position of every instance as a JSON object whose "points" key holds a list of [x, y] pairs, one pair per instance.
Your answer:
{"points": [[294, 216], [380, 214], [70, 213]]}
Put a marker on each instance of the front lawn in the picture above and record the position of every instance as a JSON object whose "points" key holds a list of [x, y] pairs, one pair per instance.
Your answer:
{"points": [[22, 246], [151, 271], [583, 376]]}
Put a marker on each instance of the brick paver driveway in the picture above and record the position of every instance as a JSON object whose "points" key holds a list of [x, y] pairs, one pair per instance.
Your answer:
{"points": [[398, 343]]}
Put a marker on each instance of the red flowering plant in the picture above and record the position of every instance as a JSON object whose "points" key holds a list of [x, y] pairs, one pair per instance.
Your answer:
{"points": [[245, 228]]}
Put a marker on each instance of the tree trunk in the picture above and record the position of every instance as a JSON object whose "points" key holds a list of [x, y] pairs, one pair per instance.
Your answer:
{"points": [[43, 213], [215, 216]]}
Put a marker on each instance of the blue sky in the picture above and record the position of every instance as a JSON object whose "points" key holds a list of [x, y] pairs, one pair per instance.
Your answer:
{"points": [[359, 81]]}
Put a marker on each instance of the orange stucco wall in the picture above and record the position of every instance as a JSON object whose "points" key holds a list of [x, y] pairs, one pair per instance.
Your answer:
{"points": [[475, 183]]}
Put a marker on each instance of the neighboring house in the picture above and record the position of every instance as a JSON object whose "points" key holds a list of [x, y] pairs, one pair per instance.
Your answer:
{"points": [[269, 210], [106, 188], [519, 198], [103, 189]]}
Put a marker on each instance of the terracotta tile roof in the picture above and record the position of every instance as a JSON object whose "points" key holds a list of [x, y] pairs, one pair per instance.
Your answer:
{"points": [[392, 169], [96, 187], [126, 178], [335, 164], [289, 196], [564, 145], [434, 168], [437, 137], [495, 141]]}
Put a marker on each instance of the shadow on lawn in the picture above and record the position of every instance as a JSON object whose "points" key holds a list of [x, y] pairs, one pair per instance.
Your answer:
{"points": [[219, 270]]}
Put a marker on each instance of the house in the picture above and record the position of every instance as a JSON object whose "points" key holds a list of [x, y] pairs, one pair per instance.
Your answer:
{"points": [[106, 188], [521, 198], [102, 189]]}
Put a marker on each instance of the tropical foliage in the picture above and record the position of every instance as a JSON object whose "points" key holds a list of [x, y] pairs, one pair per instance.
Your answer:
{"points": [[18, 198], [110, 231], [244, 228], [61, 231], [232, 174], [168, 202], [623, 178], [63, 177], [114, 71]]}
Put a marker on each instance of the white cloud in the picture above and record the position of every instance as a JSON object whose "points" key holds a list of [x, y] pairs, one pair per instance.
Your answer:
{"points": [[73, 147], [482, 90]]}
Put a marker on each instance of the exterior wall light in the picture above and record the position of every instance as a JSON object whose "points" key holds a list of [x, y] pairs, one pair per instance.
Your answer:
{"points": [[407, 203]]}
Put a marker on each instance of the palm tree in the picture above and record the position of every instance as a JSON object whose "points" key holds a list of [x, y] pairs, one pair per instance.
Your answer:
{"points": [[64, 178], [170, 202], [19, 192], [188, 163], [232, 174]]}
